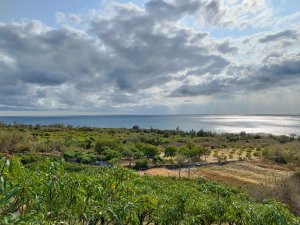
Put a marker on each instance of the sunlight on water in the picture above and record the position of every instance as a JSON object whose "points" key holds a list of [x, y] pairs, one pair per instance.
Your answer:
{"points": [[273, 124], [257, 124]]}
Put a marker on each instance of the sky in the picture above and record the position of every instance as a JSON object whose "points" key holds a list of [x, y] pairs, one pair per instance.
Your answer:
{"points": [[149, 57]]}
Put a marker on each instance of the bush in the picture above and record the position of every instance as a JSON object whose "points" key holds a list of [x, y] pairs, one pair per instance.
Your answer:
{"points": [[110, 154], [283, 139], [170, 151], [265, 153], [106, 142], [257, 154], [23, 148], [257, 136], [80, 156], [248, 155], [150, 150], [141, 164], [157, 159], [71, 154], [30, 158], [280, 159], [286, 191], [86, 158], [135, 127]]}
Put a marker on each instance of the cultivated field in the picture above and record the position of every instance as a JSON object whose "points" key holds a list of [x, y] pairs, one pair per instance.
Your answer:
{"points": [[262, 180], [238, 173]]}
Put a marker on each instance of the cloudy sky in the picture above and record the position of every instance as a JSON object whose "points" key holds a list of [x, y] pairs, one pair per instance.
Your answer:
{"points": [[149, 57]]}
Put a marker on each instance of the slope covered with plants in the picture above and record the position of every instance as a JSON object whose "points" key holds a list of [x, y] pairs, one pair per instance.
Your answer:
{"points": [[55, 192], [144, 147]]}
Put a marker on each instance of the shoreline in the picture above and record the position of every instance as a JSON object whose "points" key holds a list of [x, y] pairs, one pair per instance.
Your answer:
{"points": [[210, 132]]}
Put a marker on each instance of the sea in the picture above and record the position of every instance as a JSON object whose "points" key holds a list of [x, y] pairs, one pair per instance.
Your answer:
{"points": [[269, 124]]}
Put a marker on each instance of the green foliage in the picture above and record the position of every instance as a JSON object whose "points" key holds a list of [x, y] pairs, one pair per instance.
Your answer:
{"points": [[30, 158], [192, 151], [110, 154], [158, 159], [149, 150], [283, 139], [49, 193], [170, 151], [80, 156], [106, 141], [56, 139], [141, 164]]}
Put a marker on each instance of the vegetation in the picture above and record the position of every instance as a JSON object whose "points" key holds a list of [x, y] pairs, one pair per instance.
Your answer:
{"points": [[38, 191], [126, 146], [50, 192], [286, 191]]}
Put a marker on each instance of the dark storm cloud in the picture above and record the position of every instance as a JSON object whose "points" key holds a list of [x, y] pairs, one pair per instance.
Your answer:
{"points": [[247, 79], [286, 34]]}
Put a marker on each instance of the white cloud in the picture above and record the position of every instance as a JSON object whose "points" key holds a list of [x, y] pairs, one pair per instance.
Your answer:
{"points": [[127, 57]]}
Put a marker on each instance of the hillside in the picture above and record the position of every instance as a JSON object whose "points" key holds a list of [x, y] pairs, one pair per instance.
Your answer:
{"points": [[53, 192], [39, 187]]}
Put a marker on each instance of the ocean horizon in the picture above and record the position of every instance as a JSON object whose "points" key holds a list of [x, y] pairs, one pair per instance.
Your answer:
{"points": [[276, 124]]}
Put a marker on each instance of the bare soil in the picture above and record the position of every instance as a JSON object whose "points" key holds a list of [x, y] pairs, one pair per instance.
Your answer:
{"points": [[239, 173]]}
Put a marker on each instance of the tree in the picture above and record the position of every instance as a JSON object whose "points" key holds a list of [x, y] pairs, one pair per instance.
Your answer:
{"points": [[170, 151], [105, 142], [88, 142], [150, 150], [131, 153], [206, 152], [180, 159], [110, 154], [141, 164], [135, 127], [194, 152]]}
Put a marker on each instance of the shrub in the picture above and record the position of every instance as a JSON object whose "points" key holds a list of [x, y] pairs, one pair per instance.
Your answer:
{"points": [[248, 155], [279, 158], [80, 156], [141, 164], [70, 154], [149, 150], [105, 142], [87, 158], [257, 136], [157, 159], [110, 154], [170, 151], [30, 158], [283, 139], [265, 152], [257, 154], [135, 127]]}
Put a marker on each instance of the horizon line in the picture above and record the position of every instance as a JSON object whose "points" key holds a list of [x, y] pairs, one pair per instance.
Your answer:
{"points": [[165, 114]]}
